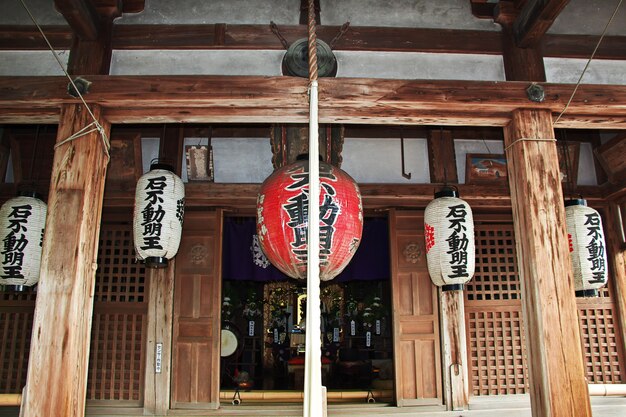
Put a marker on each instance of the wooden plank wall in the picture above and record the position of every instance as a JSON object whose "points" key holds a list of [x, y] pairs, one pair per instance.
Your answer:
{"points": [[417, 351], [197, 305]]}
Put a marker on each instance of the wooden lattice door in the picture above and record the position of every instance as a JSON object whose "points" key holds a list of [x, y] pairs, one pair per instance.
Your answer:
{"points": [[118, 328], [16, 323], [493, 315], [117, 352], [494, 322]]}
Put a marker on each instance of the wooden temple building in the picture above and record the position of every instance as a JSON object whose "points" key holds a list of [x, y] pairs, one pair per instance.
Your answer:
{"points": [[487, 96]]}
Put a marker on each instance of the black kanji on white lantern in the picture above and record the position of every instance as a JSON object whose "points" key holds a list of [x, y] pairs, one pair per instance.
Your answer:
{"points": [[449, 235], [22, 223], [587, 247], [158, 218]]}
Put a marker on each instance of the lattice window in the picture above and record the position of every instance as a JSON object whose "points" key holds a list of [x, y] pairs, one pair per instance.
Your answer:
{"points": [[116, 356], [119, 277], [600, 345], [496, 276], [496, 352], [120, 309], [15, 330]]}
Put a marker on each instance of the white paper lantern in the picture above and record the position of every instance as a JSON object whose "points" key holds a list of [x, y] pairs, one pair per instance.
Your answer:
{"points": [[158, 217], [587, 247], [22, 223], [449, 235]]}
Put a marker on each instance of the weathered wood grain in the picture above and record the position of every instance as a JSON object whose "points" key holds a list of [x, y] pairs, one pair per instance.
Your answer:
{"points": [[57, 369], [441, 157], [159, 330], [557, 378], [209, 99], [616, 251], [454, 350]]}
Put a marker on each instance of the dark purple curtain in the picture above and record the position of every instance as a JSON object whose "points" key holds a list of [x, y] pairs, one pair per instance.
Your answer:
{"points": [[371, 261]]}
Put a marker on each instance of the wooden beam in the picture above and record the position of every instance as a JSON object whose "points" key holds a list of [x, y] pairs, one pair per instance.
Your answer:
{"points": [[357, 38], [58, 363], [535, 19], [81, 16], [557, 376], [92, 56], [520, 64], [254, 99]]}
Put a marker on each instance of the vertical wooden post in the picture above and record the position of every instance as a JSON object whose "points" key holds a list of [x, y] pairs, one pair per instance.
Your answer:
{"points": [[454, 350], [441, 157], [57, 368], [520, 64], [159, 341], [617, 261], [557, 379], [451, 307]]}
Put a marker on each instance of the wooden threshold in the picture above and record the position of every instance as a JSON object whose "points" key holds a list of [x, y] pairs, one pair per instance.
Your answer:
{"points": [[353, 396]]}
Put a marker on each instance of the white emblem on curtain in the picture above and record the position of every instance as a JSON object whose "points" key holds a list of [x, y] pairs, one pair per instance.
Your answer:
{"points": [[257, 254]]}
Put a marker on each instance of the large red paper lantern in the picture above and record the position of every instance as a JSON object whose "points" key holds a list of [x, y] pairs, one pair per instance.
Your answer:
{"points": [[282, 219]]}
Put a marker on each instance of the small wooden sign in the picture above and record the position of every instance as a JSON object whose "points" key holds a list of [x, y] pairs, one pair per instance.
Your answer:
{"points": [[199, 163]]}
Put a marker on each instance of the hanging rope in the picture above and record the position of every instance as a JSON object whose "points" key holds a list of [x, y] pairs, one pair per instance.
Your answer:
{"points": [[312, 43], [588, 62], [95, 123]]}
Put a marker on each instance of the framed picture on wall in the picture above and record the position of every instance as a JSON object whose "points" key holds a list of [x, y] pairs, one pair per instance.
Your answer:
{"points": [[569, 153], [485, 168]]}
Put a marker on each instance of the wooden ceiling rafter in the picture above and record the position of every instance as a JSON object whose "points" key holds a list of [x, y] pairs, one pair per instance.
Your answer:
{"points": [[82, 17], [534, 20]]}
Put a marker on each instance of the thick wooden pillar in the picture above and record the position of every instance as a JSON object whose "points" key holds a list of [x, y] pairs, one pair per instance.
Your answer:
{"points": [[617, 261], [159, 341], [57, 368], [557, 379]]}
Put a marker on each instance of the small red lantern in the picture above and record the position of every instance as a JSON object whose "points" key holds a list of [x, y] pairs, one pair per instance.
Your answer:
{"points": [[282, 219]]}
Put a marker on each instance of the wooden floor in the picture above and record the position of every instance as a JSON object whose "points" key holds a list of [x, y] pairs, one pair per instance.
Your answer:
{"points": [[511, 406]]}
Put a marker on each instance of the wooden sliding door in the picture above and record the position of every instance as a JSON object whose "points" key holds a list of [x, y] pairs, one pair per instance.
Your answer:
{"points": [[197, 301], [417, 356]]}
